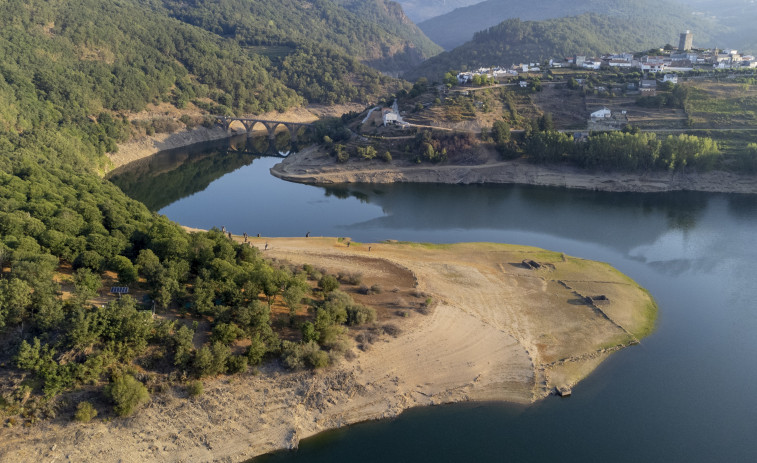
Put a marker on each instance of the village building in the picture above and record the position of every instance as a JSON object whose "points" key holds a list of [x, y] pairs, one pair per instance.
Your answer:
{"points": [[672, 78], [593, 64], [648, 87], [653, 64], [389, 117], [603, 113]]}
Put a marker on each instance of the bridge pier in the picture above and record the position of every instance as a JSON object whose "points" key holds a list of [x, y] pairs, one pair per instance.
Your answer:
{"points": [[292, 132], [271, 127]]}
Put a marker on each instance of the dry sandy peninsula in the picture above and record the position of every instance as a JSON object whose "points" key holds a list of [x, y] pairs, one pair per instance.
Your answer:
{"points": [[500, 331], [314, 166]]}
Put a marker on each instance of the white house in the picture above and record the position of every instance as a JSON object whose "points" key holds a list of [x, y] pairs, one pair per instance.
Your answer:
{"points": [[390, 117], [672, 78], [620, 63], [592, 64], [653, 63], [523, 84], [603, 113], [464, 77]]}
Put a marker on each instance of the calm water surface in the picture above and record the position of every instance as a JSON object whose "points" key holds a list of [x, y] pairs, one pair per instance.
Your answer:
{"points": [[687, 393]]}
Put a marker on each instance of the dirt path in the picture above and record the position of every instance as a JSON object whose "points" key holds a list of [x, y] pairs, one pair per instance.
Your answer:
{"points": [[500, 331]]}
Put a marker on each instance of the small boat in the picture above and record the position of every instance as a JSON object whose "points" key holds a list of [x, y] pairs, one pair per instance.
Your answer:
{"points": [[281, 153]]}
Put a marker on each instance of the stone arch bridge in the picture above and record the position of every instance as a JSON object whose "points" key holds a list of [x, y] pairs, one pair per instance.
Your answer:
{"points": [[270, 126]]}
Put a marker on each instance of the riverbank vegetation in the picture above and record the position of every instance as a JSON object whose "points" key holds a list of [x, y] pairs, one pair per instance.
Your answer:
{"points": [[200, 304]]}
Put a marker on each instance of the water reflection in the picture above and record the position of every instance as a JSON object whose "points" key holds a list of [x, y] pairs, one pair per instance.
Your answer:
{"points": [[618, 220], [171, 175], [684, 394]]}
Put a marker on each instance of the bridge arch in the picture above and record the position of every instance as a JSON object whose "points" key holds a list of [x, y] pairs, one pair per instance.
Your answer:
{"points": [[250, 125]]}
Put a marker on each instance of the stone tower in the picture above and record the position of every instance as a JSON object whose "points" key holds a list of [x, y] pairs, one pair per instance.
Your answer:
{"points": [[687, 38]]}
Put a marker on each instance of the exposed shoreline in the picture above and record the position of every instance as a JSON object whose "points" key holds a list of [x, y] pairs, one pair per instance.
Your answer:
{"points": [[146, 146], [500, 331], [313, 166]]}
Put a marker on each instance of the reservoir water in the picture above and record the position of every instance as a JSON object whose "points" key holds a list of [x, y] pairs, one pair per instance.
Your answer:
{"points": [[687, 393]]}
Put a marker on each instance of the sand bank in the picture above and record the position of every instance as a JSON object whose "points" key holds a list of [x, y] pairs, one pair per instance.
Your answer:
{"points": [[315, 167], [500, 330]]}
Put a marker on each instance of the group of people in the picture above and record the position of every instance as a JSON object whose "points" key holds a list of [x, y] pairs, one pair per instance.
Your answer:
{"points": [[265, 247]]}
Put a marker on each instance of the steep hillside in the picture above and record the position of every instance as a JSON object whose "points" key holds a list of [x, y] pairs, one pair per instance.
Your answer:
{"points": [[373, 31], [66, 60], [73, 72], [391, 17], [515, 41], [457, 27]]}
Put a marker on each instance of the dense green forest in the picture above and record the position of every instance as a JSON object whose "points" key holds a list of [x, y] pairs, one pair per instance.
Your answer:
{"points": [[372, 31], [455, 28], [64, 61], [71, 74], [514, 41]]}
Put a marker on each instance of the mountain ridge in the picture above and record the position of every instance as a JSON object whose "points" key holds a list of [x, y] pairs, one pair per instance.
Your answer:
{"points": [[457, 27]]}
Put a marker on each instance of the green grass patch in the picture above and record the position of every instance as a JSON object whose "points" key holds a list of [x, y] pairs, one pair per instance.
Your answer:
{"points": [[423, 245], [649, 317], [547, 256]]}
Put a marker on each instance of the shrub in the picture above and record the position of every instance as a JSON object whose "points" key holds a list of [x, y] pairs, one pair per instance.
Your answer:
{"points": [[341, 153], [309, 332], [226, 333], [211, 361], [318, 359], [328, 283], [195, 388], [85, 412], [89, 259], [359, 315], [298, 355], [236, 364], [127, 394], [391, 330], [256, 351], [366, 152], [350, 278], [127, 273]]}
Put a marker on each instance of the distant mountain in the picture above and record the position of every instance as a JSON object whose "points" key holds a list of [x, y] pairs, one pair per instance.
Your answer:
{"points": [[514, 41], [739, 15], [421, 10], [457, 27]]}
